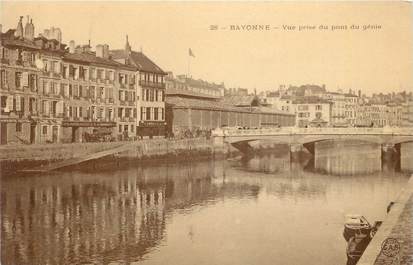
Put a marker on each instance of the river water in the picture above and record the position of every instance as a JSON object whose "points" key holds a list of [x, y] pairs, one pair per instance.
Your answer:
{"points": [[270, 209]]}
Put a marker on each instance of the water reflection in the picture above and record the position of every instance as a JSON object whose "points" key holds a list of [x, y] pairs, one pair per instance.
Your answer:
{"points": [[340, 158], [105, 217], [264, 210]]}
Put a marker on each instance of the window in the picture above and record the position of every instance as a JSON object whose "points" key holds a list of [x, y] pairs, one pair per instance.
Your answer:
{"points": [[163, 114], [3, 101], [53, 67], [44, 130], [92, 92], [18, 79], [148, 113], [135, 113], [143, 113], [120, 112], [127, 112], [64, 69], [18, 127], [125, 127], [32, 82], [4, 53], [318, 107], [155, 112], [100, 74], [3, 77], [92, 73], [152, 94], [318, 115]]}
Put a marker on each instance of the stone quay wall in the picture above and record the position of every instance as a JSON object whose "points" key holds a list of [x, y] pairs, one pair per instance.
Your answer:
{"points": [[18, 157]]}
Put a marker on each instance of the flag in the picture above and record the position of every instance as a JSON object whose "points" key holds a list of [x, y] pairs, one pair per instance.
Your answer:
{"points": [[191, 53]]}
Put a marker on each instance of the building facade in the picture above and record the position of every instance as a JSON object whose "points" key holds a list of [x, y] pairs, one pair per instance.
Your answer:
{"points": [[31, 110], [312, 112], [150, 90], [51, 93]]}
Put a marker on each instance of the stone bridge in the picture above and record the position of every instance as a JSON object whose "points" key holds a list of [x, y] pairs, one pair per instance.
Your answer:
{"points": [[240, 138]]}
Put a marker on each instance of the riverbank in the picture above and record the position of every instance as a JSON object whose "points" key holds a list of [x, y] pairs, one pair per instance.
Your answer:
{"points": [[393, 243], [15, 158]]}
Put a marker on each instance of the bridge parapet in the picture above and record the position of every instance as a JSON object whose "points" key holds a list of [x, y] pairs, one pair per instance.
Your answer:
{"points": [[312, 131]]}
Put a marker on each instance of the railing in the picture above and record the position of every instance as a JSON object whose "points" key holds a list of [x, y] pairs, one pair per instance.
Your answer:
{"points": [[309, 131], [151, 84]]}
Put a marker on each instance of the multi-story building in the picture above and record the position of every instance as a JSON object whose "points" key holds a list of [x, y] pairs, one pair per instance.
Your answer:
{"points": [[97, 97], [53, 94], [394, 114], [150, 90], [351, 103], [343, 108], [372, 115], [338, 108], [312, 112], [407, 113], [184, 84], [30, 107]]}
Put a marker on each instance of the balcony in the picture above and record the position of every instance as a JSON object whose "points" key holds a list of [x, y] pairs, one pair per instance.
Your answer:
{"points": [[144, 83], [131, 103], [28, 64]]}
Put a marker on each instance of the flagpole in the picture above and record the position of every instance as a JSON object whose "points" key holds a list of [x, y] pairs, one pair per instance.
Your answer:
{"points": [[189, 65]]}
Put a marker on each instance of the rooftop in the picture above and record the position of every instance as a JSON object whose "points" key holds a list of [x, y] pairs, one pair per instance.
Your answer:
{"points": [[138, 60], [91, 58]]}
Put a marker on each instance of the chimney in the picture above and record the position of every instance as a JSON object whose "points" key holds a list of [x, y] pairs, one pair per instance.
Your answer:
{"points": [[72, 46], [99, 50], [105, 51], [19, 29], [29, 29]]}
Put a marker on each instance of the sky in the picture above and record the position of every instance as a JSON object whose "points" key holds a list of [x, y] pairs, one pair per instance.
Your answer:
{"points": [[373, 60]]}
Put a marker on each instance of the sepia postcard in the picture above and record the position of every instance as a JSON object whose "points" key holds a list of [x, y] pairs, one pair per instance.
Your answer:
{"points": [[206, 132]]}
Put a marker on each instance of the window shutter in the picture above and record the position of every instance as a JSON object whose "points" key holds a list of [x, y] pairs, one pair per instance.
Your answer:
{"points": [[47, 107], [25, 79], [59, 107], [9, 104], [106, 92], [18, 103]]}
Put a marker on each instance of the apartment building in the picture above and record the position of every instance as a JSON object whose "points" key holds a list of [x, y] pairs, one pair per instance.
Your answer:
{"points": [[312, 112], [150, 90], [30, 106], [53, 93]]}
